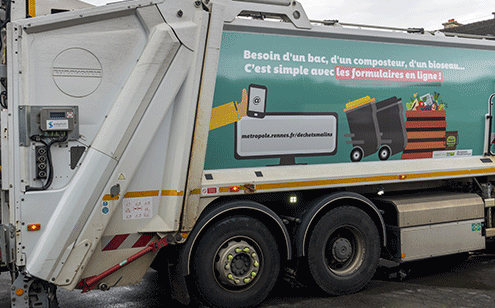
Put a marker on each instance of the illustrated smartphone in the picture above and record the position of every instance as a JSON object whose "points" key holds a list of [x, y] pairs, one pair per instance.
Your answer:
{"points": [[256, 101]]}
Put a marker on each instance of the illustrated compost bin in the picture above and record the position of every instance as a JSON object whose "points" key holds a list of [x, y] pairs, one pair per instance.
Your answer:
{"points": [[375, 126]]}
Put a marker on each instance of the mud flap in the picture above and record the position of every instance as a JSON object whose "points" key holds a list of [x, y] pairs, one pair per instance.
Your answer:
{"points": [[177, 281]]}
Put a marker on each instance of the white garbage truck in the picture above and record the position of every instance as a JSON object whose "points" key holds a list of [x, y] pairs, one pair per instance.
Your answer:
{"points": [[221, 141]]}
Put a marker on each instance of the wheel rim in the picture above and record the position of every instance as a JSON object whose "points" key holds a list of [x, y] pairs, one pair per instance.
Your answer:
{"points": [[356, 155], [237, 264], [384, 153], [344, 251]]}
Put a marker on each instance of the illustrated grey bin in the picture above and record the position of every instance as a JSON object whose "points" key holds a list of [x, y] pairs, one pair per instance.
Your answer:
{"points": [[377, 126]]}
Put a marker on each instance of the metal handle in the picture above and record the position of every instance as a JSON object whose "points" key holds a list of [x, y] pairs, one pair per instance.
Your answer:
{"points": [[488, 126]]}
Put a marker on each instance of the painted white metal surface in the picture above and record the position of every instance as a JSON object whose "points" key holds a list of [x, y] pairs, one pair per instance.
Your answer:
{"points": [[160, 144], [44, 7], [4, 146], [130, 105], [278, 9], [286, 178], [64, 208], [70, 212], [205, 100]]}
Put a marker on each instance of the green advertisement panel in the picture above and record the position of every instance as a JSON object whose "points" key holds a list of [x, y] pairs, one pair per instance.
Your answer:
{"points": [[282, 100]]}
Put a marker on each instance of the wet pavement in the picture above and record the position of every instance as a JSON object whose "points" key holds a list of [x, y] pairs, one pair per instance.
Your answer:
{"points": [[433, 283]]}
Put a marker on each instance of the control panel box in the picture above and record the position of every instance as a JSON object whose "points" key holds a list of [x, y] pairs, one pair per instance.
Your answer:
{"points": [[57, 119], [47, 120]]}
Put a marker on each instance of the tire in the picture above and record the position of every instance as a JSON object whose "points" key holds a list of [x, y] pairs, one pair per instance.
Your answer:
{"points": [[343, 251], [384, 153], [225, 273], [356, 154]]}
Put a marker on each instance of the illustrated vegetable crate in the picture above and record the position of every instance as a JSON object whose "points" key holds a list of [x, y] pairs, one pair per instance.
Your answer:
{"points": [[426, 133], [376, 126]]}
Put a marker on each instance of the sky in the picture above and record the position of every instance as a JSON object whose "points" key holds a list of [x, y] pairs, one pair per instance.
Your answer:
{"points": [[427, 14]]}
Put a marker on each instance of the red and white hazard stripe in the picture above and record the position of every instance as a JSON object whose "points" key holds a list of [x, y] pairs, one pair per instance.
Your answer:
{"points": [[125, 241]]}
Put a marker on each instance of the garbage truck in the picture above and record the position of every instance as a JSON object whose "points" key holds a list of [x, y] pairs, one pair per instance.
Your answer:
{"points": [[223, 141]]}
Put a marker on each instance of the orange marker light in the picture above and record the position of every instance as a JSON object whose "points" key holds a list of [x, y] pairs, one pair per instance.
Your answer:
{"points": [[33, 227], [402, 177], [402, 255], [235, 188], [19, 292]]}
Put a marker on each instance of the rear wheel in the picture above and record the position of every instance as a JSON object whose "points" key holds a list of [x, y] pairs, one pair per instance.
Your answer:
{"points": [[343, 251], [236, 263]]}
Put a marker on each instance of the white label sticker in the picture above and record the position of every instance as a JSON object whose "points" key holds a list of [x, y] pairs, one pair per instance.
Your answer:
{"points": [[453, 153], [137, 208], [57, 124]]}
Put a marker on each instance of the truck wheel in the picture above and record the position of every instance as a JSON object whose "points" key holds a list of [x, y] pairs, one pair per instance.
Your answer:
{"points": [[343, 251], [236, 263], [356, 154], [384, 153]]}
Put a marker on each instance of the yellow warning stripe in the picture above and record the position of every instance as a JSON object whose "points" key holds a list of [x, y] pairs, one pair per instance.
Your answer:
{"points": [[300, 184], [224, 189], [367, 179], [450, 173], [373, 179], [326, 182], [142, 194], [109, 197], [172, 193]]}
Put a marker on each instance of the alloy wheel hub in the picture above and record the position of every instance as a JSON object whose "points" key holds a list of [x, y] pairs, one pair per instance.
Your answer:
{"points": [[238, 263]]}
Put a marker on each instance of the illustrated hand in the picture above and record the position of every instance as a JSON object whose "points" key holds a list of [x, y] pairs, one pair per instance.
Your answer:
{"points": [[243, 105]]}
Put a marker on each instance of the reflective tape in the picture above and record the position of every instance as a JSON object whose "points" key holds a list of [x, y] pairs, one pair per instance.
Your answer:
{"points": [[125, 241]]}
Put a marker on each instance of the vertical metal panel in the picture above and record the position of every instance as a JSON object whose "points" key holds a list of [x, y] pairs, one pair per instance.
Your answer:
{"points": [[442, 239]]}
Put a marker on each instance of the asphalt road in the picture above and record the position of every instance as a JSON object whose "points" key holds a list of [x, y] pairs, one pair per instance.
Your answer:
{"points": [[437, 283]]}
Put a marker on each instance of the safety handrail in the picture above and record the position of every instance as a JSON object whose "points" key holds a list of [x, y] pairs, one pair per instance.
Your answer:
{"points": [[488, 127]]}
